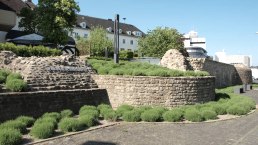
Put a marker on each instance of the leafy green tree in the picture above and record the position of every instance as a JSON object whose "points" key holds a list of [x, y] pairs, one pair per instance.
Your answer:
{"points": [[159, 40], [28, 21], [83, 46], [53, 19], [99, 41]]}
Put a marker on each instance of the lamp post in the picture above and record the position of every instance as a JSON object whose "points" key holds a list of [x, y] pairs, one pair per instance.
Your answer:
{"points": [[116, 39]]}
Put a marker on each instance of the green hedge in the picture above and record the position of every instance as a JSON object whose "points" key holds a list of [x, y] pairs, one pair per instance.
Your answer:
{"points": [[139, 69], [70, 125], [42, 130], [27, 51], [125, 54], [66, 113], [28, 121], [10, 137]]}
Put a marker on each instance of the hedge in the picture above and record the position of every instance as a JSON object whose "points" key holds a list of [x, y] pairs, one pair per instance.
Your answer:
{"points": [[27, 51]]}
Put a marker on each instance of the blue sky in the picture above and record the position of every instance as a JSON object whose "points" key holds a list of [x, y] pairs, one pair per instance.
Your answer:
{"points": [[226, 24]]}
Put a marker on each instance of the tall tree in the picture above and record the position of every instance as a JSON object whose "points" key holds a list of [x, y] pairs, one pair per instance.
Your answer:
{"points": [[54, 19], [28, 21], [99, 41], [159, 40]]}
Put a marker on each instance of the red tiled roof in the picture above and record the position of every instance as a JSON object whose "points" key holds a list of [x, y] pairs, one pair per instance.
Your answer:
{"points": [[17, 5]]}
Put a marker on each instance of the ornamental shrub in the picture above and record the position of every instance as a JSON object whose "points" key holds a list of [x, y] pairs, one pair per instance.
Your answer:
{"points": [[132, 116], [87, 120], [110, 115], [208, 114], [42, 130], [142, 109], [88, 107], [14, 124], [28, 121], [174, 115], [16, 85], [70, 125], [46, 119], [193, 115], [151, 115], [5, 72], [220, 108], [2, 79], [160, 109], [13, 76], [66, 113], [10, 136], [123, 108], [93, 113], [54, 115], [237, 110], [103, 106]]}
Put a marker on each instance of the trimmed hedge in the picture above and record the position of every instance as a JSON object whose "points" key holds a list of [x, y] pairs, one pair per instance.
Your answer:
{"points": [[123, 108], [110, 115], [132, 116], [70, 125], [87, 120], [10, 136], [193, 115], [27, 51], [139, 69], [151, 115], [16, 85], [54, 115]]}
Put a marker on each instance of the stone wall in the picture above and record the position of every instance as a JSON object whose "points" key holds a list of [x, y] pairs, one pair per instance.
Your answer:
{"points": [[37, 103], [226, 74], [50, 73], [160, 91]]}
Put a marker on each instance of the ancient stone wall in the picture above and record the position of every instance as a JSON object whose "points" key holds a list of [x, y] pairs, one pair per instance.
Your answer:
{"points": [[35, 104], [226, 74], [160, 91], [50, 73]]}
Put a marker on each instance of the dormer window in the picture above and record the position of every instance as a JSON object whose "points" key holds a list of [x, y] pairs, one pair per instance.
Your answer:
{"points": [[137, 33], [120, 31], [109, 29], [83, 24], [129, 32]]}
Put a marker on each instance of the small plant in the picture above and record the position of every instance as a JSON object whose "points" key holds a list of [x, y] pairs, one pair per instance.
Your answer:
{"points": [[93, 113], [173, 115], [87, 120], [54, 115], [88, 107], [237, 110], [2, 79], [66, 113], [110, 115], [28, 121], [70, 125], [14, 76], [16, 85], [141, 109], [10, 136], [208, 114], [151, 115], [103, 106], [123, 108], [193, 115], [132, 116], [14, 124], [46, 119], [42, 130], [220, 109]]}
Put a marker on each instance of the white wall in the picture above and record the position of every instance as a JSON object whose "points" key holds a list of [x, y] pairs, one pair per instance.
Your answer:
{"points": [[231, 59], [126, 46]]}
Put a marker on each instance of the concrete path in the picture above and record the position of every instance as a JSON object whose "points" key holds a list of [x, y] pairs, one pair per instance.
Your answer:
{"points": [[240, 131]]}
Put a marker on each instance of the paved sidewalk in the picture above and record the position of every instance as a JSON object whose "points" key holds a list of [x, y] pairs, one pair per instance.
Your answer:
{"points": [[240, 131]]}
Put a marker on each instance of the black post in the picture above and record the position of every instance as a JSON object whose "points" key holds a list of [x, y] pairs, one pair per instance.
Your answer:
{"points": [[116, 39]]}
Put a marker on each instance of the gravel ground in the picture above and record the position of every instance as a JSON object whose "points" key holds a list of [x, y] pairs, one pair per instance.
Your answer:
{"points": [[240, 131]]}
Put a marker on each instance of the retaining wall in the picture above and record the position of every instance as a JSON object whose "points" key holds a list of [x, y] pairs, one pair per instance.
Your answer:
{"points": [[159, 91], [37, 103]]}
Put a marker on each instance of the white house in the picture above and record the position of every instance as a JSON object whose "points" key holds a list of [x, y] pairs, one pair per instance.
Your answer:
{"points": [[128, 34], [233, 59]]}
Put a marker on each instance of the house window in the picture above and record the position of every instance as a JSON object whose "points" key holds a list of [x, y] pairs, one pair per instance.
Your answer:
{"points": [[122, 49], [129, 50], [85, 35], [131, 42], [123, 41]]}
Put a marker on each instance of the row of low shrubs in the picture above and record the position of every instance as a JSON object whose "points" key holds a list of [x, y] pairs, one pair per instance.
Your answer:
{"points": [[12, 81], [27, 51], [104, 67]]}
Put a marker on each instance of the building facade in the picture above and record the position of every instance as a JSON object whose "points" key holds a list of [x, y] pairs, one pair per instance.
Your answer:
{"points": [[128, 34], [233, 59], [192, 39]]}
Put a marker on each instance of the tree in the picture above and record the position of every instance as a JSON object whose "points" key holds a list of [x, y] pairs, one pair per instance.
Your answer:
{"points": [[53, 18], [159, 40], [28, 21], [83, 46], [99, 41]]}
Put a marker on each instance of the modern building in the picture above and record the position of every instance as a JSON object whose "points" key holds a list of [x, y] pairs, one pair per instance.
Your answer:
{"points": [[196, 52], [192, 39], [128, 34], [233, 59]]}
